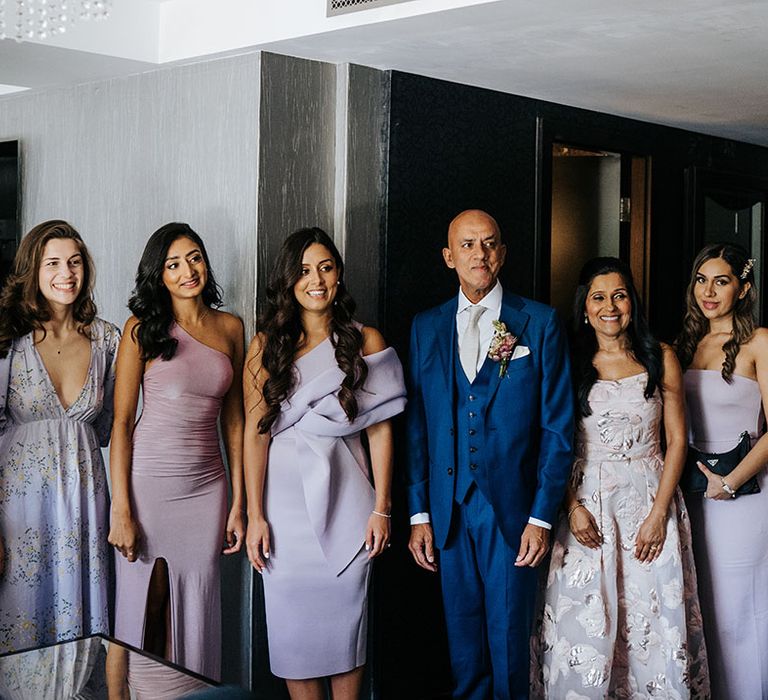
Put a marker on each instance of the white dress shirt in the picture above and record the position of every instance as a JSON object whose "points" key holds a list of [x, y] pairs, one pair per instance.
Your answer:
{"points": [[492, 302]]}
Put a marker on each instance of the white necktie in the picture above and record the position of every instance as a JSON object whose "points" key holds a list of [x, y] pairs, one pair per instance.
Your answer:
{"points": [[470, 343]]}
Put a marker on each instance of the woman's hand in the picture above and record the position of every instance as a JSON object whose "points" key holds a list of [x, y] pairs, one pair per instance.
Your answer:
{"points": [[584, 527], [650, 537], [377, 534], [235, 531], [257, 543], [124, 535], [715, 488]]}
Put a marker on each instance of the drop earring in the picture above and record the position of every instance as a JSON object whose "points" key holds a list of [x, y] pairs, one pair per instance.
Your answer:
{"points": [[586, 319]]}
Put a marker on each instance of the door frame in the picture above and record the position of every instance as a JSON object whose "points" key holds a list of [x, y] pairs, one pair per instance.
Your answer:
{"points": [[698, 180], [636, 183]]}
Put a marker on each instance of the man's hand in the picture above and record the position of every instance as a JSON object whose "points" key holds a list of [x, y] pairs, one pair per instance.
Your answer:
{"points": [[534, 545], [422, 546]]}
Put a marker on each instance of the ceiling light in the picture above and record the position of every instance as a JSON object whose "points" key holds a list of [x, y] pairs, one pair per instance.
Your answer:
{"points": [[40, 19]]}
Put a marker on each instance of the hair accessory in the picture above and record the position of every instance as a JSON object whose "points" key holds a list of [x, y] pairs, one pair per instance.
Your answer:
{"points": [[747, 268]]}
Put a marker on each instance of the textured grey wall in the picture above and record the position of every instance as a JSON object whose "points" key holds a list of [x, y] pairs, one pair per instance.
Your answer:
{"points": [[120, 158]]}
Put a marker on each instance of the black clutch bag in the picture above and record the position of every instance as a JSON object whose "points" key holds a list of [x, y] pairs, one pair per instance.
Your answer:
{"points": [[722, 464]]}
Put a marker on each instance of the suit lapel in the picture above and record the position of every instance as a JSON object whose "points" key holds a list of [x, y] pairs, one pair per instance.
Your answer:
{"points": [[515, 319], [445, 340]]}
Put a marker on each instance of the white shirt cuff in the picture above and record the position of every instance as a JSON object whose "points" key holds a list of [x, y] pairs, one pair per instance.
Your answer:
{"points": [[539, 523], [419, 518]]}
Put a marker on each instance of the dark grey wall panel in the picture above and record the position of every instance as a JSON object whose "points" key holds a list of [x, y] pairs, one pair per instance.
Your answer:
{"points": [[366, 187], [296, 161]]}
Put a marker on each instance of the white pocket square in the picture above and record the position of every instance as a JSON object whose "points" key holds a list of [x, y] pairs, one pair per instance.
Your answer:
{"points": [[519, 351]]}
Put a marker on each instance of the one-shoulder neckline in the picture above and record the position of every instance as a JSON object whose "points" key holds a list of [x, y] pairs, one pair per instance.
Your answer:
{"points": [[200, 342], [623, 379], [738, 376]]}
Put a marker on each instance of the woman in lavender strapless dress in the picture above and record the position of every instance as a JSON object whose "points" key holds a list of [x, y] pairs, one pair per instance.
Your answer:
{"points": [[169, 503], [315, 521], [726, 386]]}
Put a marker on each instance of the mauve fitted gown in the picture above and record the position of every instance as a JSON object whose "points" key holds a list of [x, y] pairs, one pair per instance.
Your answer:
{"points": [[318, 499], [179, 500], [730, 540]]}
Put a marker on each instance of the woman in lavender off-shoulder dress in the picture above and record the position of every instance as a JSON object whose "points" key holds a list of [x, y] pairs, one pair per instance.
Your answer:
{"points": [[725, 357], [56, 385], [314, 380], [621, 616], [169, 486]]}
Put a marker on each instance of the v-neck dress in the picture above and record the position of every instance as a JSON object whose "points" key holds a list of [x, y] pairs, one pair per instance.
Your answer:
{"points": [[54, 498], [179, 498], [318, 498]]}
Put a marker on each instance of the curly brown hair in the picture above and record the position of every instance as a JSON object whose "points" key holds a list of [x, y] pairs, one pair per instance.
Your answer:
{"points": [[23, 307], [696, 325], [282, 329]]}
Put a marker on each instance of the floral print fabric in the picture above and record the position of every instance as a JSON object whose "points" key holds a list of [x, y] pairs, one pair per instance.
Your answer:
{"points": [[54, 499], [613, 627]]}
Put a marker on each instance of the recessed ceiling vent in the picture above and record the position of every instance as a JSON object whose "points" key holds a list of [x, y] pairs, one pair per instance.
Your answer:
{"points": [[340, 7]]}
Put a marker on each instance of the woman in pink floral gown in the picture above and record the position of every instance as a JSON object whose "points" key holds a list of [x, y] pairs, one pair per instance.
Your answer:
{"points": [[621, 617]]}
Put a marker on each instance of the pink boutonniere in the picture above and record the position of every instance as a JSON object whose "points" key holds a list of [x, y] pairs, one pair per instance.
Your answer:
{"points": [[502, 346]]}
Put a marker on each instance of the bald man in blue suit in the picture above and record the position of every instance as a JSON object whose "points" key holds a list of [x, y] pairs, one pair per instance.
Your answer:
{"points": [[489, 454]]}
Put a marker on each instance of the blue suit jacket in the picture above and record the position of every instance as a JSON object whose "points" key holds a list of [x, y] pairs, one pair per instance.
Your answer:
{"points": [[528, 422]]}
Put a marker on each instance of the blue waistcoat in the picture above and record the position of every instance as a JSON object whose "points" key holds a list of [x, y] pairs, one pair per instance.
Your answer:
{"points": [[471, 403]]}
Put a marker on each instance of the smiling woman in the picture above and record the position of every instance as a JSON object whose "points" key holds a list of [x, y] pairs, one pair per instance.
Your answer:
{"points": [[169, 486], [59, 359], [624, 530], [315, 379]]}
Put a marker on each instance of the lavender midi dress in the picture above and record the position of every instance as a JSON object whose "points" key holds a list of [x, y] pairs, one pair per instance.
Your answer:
{"points": [[730, 540], [318, 499], [54, 499], [179, 500]]}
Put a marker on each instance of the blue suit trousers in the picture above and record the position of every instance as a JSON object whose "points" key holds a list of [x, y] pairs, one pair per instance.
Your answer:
{"points": [[489, 606]]}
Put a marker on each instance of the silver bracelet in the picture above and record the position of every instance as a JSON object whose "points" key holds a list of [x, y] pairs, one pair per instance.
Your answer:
{"points": [[383, 515], [729, 490]]}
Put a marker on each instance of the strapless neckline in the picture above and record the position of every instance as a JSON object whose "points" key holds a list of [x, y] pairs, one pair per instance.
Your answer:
{"points": [[735, 376], [623, 379]]}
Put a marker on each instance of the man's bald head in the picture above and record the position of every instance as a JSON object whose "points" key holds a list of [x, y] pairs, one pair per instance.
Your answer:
{"points": [[475, 251]]}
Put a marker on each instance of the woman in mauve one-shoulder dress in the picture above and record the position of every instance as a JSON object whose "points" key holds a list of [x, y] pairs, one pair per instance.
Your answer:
{"points": [[726, 387], [169, 509], [317, 380]]}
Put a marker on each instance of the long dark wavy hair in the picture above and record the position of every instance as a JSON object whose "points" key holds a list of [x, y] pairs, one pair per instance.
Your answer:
{"points": [[23, 307], [696, 325], [150, 301], [642, 345], [284, 334]]}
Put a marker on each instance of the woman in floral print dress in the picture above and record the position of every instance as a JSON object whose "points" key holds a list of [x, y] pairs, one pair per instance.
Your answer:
{"points": [[621, 616], [56, 379]]}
